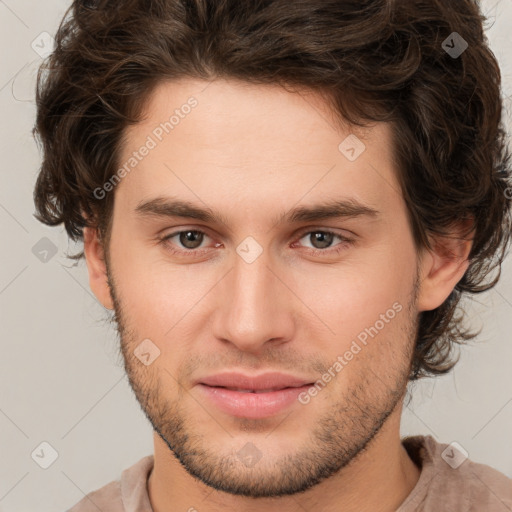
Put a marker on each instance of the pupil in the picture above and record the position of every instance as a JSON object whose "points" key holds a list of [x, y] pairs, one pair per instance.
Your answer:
{"points": [[325, 239], [189, 239]]}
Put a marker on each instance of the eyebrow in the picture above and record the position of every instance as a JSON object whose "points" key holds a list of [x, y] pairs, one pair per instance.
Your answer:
{"points": [[163, 207]]}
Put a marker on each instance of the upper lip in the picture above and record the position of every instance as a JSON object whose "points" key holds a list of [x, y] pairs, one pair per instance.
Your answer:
{"points": [[268, 381]]}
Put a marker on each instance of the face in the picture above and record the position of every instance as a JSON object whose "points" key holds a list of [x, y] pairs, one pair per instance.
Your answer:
{"points": [[254, 290]]}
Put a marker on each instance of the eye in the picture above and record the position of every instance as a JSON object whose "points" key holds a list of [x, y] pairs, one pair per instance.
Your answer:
{"points": [[189, 239], [322, 241]]}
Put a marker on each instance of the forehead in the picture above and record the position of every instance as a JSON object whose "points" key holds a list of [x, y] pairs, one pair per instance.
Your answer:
{"points": [[235, 102], [259, 144]]}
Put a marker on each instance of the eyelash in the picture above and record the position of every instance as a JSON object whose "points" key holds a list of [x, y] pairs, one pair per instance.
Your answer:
{"points": [[316, 252]]}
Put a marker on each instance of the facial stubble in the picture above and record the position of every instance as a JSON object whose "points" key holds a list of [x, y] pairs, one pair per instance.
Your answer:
{"points": [[342, 433]]}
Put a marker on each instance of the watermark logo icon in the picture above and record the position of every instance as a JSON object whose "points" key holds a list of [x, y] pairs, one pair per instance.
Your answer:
{"points": [[351, 148], [454, 455], [43, 44], [44, 455], [249, 250], [249, 455], [454, 45], [146, 352], [44, 250]]}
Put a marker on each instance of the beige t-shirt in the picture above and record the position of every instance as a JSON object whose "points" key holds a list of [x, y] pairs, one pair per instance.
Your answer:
{"points": [[447, 483]]}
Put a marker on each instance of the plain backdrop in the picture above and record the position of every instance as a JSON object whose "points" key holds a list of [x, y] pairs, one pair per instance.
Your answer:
{"points": [[61, 381]]}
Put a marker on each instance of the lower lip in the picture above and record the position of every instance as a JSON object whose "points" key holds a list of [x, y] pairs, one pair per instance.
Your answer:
{"points": [[252, 405]]}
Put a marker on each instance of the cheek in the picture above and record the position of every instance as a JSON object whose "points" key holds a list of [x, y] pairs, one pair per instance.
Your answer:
{"points": [[156, 294], [368, 325], [352, 295]]}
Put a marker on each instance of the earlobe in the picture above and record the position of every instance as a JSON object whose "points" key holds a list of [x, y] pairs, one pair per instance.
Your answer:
{"points": [[95, 259], [441, 268]]}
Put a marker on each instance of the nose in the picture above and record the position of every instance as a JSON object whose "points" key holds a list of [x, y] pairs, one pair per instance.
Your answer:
{"points": [[254, 306]]}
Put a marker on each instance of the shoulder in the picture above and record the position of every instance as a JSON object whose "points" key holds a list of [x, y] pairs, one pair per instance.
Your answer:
{"points": [[129, 490], [107, 497], [451, 481]]}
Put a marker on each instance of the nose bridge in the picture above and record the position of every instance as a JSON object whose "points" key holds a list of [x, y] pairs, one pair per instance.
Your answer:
{"points": [[253, 308], [251, 283]]}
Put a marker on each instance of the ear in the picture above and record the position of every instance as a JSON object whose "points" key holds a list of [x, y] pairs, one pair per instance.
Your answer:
{"points": [[95, 258], [442, 267]]}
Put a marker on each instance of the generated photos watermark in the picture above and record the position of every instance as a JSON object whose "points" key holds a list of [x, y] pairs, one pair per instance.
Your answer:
{"points": [[152, 140], [342, 360]]}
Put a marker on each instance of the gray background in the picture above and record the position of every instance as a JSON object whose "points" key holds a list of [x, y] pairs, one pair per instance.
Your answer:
{"points": [[61, 381]]}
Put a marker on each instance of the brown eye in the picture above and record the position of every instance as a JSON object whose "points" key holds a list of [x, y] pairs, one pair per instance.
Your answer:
{"points": [[188, 240], [191, 239], [322, 241], [322, 238]]}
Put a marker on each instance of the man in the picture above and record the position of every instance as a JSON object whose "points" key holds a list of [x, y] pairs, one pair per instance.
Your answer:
{"points": [[283, 203]]}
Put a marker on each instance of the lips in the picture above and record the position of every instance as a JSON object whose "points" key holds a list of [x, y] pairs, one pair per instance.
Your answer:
{"points": [[250, 390], [265, 383], [251, 397]]}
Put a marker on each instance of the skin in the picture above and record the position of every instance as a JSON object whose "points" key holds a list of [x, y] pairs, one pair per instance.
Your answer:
{"points": [[252, 153]]}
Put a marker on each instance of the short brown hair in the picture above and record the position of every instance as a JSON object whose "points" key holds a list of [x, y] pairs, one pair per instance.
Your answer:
{"points": [[373, 60]]}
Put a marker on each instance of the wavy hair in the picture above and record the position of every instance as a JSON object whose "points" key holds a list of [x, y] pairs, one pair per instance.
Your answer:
{"points": [[372, 60]]}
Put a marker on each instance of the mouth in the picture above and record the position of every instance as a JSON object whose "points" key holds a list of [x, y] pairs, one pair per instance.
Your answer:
{"points": [[240, 390], [267, 382], [251, 403]]}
